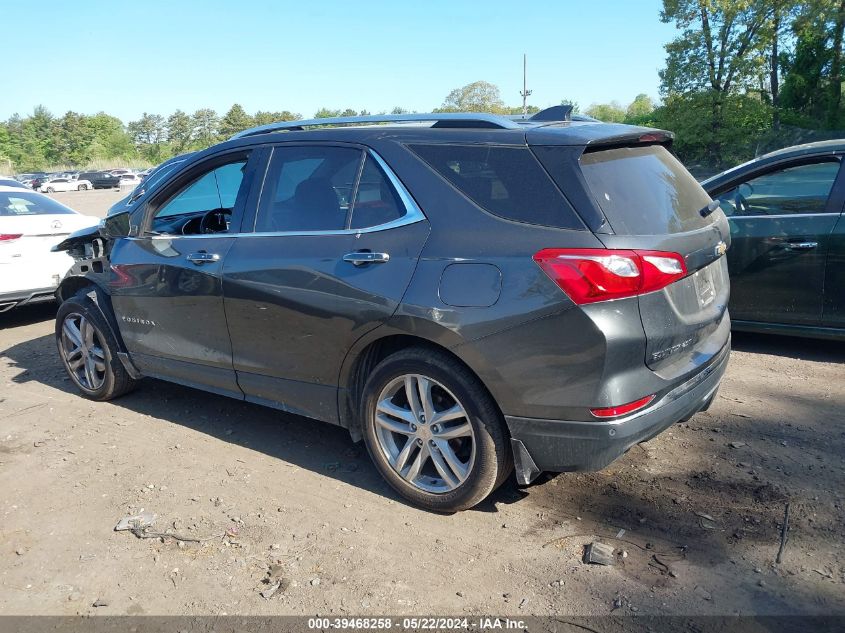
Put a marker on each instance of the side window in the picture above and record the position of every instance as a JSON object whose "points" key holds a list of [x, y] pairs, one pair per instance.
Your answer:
{"points": [[376, 201], [308, 188], [799, 189], [505, 181], [213, 190]]}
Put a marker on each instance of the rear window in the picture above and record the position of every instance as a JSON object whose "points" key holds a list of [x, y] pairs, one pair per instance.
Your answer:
{"points": [[645, 190], [506, 181], [20, 204]]}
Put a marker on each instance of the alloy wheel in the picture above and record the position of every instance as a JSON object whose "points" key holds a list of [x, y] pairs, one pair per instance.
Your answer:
{"points": [[83, 352], [425, 434]]}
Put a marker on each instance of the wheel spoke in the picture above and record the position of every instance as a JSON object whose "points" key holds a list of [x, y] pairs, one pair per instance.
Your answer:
{"points": [[455, 412], [413, 396], [98, 352], [395, 426], [424, 386], [449, 456], [444, 470], [76, 363], [90, 373], [71, 331], [404, 454], [99, 365], [87, 331], [459, 430], [386, 406], [417, 465]]}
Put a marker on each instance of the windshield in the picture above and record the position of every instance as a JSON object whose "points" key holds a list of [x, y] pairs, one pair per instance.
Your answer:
{"points": [[14, 204], [645, 190]]}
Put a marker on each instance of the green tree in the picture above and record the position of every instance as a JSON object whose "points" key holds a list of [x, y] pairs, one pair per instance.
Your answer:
{"points": [[148, 130], [180, 131], [479, 96], [265, 118], [234, 121], [608, 112], [640, 108], [206, 124]]}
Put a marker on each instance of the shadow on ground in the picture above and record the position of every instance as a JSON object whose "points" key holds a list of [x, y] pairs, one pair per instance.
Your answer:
{"points": [[307, 443]]}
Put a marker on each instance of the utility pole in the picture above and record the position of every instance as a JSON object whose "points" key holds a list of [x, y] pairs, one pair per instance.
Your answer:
{"points": [[525, 91]]}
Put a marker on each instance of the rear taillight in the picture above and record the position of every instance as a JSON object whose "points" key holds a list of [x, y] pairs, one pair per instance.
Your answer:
{"points": [[622, 409], [9, 237], [588, 275]]}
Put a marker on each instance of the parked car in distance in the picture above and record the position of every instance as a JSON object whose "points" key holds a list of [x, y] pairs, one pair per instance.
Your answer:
{"points": [[104, 180], [788, 240], [154, 176], [37, 181], [30, 224], [428, 287], [129, 180], [11, 182], [64, 184]]}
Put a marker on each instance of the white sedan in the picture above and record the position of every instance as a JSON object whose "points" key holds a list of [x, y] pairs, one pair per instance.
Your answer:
{"points": [[30, 225], [64, 184], [129, 181]]}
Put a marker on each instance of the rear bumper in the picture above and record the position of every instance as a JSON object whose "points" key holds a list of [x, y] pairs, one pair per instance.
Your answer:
{"points": [[561, 445], [11, 300]]}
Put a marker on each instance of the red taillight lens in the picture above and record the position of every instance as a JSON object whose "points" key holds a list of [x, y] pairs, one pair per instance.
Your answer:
{"points": [[588, 275], [10, 237], [622, 409]]}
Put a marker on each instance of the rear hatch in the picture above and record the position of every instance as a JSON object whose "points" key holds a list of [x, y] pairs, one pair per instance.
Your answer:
{"points": [[646, 201]]}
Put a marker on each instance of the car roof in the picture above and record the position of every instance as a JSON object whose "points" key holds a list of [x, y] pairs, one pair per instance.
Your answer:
{"points": [[817, 148]]}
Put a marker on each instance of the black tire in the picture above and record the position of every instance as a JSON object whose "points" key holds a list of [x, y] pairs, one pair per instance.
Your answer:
{"points": [[115, 381], [493, 460], [82, 188], [50, 190]]}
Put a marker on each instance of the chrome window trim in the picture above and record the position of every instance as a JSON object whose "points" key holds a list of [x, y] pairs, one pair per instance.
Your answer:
{"points": [[781, 215], [413, 214]]}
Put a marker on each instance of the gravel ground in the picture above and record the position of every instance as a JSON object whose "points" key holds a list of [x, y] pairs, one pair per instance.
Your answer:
{"points": [[287, 500]]}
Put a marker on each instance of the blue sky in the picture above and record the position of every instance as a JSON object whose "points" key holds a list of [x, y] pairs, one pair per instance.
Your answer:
{"points": [[155, 56]]}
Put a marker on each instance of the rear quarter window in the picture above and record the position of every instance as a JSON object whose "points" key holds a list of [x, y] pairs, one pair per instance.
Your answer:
{"points": [[645, 190], [505, 181]]}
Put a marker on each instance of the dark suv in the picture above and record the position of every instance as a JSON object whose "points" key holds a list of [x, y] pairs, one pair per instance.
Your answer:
{"points": [[465, 292]]}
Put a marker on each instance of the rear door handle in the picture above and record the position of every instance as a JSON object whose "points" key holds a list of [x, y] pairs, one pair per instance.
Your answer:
{"points": [[800, 246], [203, 258], [359, 258]]}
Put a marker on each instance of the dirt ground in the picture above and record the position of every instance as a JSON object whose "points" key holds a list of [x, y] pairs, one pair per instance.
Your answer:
{"points": [[285, 499]]}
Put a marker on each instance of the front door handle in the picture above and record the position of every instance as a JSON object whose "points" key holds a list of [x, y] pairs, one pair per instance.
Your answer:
{"points": [[203, 258], [800, 246], [359, 258]]}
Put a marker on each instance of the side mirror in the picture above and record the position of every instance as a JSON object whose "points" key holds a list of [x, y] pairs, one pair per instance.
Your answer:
{"points": [[114, 226]]}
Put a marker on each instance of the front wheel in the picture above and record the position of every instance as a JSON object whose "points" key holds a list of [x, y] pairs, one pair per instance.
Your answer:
{"points": [[88, 350], [433, 431], [50, 190], [82, 188]]}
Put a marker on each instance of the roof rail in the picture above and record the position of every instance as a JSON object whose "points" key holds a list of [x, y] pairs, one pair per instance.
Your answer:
{"points": [[442, 119]]}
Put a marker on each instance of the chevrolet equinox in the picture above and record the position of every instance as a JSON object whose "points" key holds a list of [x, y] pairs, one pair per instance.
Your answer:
{"points": [[469, 294]]}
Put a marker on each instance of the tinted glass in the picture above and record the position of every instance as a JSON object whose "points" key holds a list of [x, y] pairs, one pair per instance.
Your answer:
{"points": [[19, 204], [799, 189], [308, 189], [506, 181], [215, 189], [645, 190], [376, 201]]}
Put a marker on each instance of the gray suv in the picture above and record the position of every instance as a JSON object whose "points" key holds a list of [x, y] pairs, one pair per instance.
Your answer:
{"points": [[469, 294]]}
